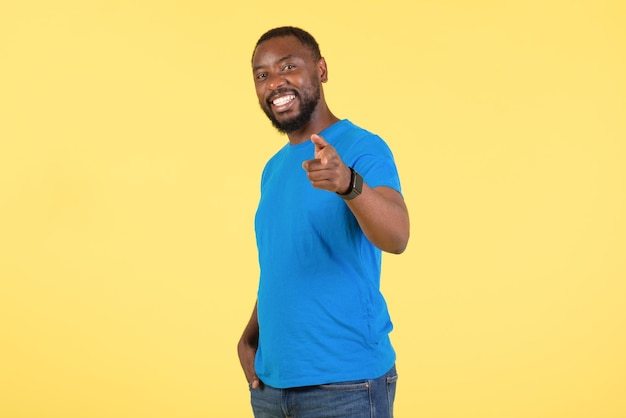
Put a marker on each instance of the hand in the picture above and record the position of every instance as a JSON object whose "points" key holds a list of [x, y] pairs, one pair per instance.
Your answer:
{"points": [[327, 171], [246, 358]]}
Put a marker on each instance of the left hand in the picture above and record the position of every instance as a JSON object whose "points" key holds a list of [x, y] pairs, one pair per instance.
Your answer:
{"points": [[327, 171]]}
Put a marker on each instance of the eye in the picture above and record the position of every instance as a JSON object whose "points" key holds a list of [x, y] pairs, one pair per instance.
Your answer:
{"points": [[260, 76], [289, 67]]}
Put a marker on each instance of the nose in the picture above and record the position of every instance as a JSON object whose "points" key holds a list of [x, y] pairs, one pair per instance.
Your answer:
{"points": [[275, 81]]}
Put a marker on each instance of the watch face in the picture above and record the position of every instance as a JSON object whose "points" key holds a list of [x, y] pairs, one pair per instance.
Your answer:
{"points": [[357, 185]]}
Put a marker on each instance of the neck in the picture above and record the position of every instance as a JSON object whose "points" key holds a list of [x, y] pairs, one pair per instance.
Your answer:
{"points": [[314, 126]]}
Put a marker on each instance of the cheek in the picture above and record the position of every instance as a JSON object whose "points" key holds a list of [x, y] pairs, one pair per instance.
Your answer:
{"points": [[260, 95], [259, 88]]}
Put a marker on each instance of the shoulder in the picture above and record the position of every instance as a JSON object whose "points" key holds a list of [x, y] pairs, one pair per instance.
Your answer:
{"points": [[350, 137], [357, 141]]}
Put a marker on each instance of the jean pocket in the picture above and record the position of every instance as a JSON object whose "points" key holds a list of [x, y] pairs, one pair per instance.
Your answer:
{"points": [[352, 385], [391, 391]]}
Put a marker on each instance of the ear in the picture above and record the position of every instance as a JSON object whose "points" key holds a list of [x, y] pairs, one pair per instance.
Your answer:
{"points": [[323, 70]]}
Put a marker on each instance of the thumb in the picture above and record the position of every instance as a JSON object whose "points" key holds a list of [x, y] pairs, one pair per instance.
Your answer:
{"points": [[255, 382]]}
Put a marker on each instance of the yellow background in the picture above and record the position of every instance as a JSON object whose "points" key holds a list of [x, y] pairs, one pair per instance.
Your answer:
{"points": [[131, 145]]}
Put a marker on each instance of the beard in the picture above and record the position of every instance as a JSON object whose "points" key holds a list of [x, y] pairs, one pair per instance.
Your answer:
{"points": [[308, 102]]}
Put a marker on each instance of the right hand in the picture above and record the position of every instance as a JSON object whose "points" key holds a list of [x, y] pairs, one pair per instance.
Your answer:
{"points": [[247, 353]]}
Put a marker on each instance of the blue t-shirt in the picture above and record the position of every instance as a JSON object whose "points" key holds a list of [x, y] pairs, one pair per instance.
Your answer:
{"points": [[321, 315]]}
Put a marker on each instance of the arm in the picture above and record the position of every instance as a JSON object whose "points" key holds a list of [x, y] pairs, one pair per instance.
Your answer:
{"points": [[246, 348], [381, 211], [383, 217]]}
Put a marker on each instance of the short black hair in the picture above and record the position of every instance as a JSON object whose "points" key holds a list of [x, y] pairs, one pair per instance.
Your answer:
{"points": [[303, 36]]}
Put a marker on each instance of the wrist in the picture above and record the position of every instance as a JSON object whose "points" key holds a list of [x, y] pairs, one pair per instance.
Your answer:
{"points": [[355, 188], [346, 181]]}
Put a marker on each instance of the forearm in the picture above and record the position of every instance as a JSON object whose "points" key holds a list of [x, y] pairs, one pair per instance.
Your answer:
{"points": [[246, 349], [250, 334], [383, 217]]}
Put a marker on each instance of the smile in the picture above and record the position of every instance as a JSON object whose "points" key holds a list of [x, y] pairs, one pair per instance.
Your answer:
{"points": [[283, 100]]}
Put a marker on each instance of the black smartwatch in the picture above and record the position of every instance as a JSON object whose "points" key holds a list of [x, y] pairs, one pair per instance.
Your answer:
{"points": [[356, 186]]}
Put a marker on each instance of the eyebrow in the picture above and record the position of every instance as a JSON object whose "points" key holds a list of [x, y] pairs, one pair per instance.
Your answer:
{"points": [[286, 57]]}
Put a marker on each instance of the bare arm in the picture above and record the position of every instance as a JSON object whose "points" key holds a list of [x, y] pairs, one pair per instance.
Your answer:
{"points": [[247, 347], [381, 211], [383, 217]]}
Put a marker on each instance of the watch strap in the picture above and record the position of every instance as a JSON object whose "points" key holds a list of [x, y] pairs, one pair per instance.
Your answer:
{"points": [[356, 186]]}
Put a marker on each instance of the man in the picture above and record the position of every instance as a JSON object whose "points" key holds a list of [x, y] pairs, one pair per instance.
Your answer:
{"points": [[317, 343]]}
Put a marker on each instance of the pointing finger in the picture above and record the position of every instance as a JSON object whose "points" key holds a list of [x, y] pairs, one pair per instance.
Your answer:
{"points": [[318, 141], [320, 145]]}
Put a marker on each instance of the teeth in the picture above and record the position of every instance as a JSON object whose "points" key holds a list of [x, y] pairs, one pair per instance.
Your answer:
{"points": [[283, 100]]}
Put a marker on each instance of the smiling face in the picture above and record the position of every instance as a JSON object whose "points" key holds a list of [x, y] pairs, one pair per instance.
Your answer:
{"points": [[288, 82]]}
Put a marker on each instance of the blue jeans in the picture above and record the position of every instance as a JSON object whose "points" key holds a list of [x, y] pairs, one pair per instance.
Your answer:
{"points": [[354, 399]]}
